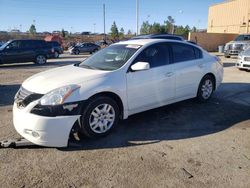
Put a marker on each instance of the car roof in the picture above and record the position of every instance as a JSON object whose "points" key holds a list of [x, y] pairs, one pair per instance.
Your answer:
{"points": [[159, 36], [143, 42]]}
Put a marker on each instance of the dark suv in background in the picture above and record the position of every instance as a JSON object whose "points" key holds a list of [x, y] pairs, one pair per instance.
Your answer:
{"points": [[16, 51], [57, 48]]}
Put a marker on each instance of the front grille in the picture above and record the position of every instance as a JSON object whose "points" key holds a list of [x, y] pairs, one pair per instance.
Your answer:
{"points": [[247, 59], [235, 47], [25, 97], [246, 65]]}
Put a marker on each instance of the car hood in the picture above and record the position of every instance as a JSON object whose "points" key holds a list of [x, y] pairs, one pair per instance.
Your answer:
{"points": [[46, 81], [239, 42]]}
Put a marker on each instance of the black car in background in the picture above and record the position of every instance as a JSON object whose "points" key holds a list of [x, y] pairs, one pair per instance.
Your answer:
{"points": [[57, 48], [162, 36], [158, 36], [16, 51], [84, 47]]}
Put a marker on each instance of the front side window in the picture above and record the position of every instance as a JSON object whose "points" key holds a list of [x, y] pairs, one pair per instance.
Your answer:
{"points": [[110, 58], [14, 45], [156, 55], [183, 52]]}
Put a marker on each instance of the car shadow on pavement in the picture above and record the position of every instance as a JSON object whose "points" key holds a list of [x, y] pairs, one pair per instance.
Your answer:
{"points": [[7, 94], [183, 120], [31, 65], [228, 64]]}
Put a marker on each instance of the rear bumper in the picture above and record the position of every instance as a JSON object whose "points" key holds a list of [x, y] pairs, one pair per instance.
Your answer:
{"points": [[42, 130]]}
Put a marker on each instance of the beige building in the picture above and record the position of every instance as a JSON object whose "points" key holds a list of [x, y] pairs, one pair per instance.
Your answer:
{"points": [[231, 16]]}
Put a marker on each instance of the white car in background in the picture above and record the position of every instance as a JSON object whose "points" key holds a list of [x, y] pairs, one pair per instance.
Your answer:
{"points": [[243, 62], [123, 79]]}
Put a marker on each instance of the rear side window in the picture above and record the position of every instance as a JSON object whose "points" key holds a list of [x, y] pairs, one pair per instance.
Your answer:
{"points": [[55, 43], [183, 52], [156, 55], [198, 53], [39, 44]]}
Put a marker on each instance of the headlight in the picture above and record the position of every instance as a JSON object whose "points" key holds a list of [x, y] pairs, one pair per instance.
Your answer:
{"points": [[246, 46], [59, 95], [226, 47]]}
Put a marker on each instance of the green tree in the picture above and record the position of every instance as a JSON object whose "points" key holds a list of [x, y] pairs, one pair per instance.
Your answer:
{"points": [[63, 33], [194, 29], [129, 32], [155, 28], [32, 29], [121, 33], [169, 24], [114, 31], [145, 28]]}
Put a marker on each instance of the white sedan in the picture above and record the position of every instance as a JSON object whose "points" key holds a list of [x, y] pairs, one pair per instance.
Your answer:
{"points": [[123, 79]]}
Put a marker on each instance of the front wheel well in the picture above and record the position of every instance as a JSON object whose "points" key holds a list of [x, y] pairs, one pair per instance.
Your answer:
{"points": [[213, 77], [113, 96]]}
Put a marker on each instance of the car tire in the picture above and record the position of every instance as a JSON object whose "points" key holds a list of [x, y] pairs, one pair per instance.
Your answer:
{"points": [[77, 52], [40, 60], [206, 88], [99, 117], [56, 54]]}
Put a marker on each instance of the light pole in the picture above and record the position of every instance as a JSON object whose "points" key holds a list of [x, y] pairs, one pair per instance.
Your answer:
{"points": [[104, 22], [94, 27], [137, 17]]}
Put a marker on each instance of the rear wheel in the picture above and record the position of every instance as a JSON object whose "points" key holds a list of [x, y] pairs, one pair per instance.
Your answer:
{"points": [[56, 55], [206, 88], [99, 117], [77, 52], [40, 60]]}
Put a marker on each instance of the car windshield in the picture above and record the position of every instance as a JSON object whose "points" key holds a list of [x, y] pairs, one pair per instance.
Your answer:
{"points": [[4, 45], [110, 58], [242, 37]]}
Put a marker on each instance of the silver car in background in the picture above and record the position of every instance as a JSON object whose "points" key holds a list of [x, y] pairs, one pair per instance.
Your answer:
{"points": [[235, 47], [83, 48]]}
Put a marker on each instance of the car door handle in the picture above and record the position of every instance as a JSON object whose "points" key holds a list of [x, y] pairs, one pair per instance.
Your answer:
{"points": [[169, 74], [201, 65]]}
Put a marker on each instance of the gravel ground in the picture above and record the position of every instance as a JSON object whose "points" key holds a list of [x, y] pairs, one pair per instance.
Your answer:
{"points": [[181, 145]]}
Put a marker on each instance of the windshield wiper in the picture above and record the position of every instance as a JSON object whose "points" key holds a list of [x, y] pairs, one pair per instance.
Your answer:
{"points": [[87, 66]]}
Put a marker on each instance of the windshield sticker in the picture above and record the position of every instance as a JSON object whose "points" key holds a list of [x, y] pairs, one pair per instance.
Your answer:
{"points": [[133, 46]]}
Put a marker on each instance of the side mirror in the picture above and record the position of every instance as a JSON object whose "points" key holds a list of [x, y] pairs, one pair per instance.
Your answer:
{"points": [[139, 66], [7, 47]]}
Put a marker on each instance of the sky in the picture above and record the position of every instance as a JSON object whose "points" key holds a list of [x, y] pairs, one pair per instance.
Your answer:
{"points": [[87, 15]]}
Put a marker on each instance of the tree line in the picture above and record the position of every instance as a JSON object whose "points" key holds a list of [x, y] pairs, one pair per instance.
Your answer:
{"points": [[155, 28]]}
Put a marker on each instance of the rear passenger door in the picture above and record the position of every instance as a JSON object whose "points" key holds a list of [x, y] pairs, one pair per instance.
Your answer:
{"points": [[27, 50], [187, 61]]}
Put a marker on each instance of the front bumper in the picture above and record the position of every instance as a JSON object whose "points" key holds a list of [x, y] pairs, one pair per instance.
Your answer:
{"points": [[243, 64], [232, 52], [42, 130]]}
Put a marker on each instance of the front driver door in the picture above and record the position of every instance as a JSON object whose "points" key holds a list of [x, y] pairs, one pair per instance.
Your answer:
{"points": [[154, 87], [11, 53]]}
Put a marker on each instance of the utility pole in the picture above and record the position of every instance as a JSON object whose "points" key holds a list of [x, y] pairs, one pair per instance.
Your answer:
{"points": [[137, 17], [104, 22]]}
